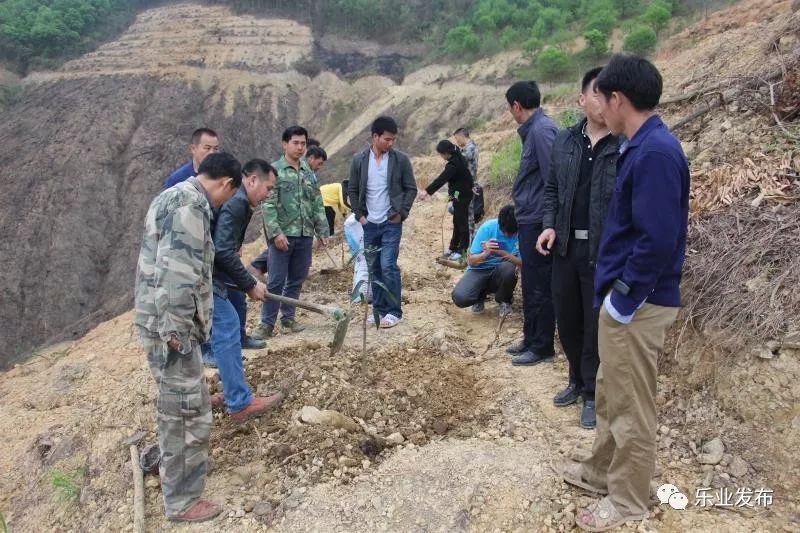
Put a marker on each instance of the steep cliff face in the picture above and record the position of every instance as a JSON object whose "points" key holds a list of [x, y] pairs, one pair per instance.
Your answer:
{"points": [[87, 147]]}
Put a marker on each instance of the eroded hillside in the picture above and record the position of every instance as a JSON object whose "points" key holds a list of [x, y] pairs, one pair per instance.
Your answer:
{"points": [[88, 146]]}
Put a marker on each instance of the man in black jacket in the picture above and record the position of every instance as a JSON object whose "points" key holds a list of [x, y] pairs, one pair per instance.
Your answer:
{"points": [[229, 230], [382, 189], [576, 199]]}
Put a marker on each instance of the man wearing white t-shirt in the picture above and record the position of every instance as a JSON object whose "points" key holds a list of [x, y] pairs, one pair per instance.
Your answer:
{"points": [[382, 189]]}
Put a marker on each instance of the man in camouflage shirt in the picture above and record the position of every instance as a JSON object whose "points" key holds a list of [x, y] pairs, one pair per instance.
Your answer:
{"points": [[470, 151], [293, 215], [173, 297]]}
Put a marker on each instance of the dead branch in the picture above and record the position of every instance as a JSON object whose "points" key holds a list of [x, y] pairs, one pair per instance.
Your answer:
{"points": [[702, 110]]}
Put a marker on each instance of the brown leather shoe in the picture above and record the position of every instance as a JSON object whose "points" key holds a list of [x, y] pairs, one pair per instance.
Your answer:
{"points": [[217, 400], [259, 406], [201, 511]]}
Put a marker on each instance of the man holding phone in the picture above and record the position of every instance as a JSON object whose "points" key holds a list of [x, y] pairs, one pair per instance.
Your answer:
{"points": [[493, 261]]}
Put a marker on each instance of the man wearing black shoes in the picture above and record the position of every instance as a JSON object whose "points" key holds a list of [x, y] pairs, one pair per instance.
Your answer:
{"points": [[537, 131], [583, 172]]}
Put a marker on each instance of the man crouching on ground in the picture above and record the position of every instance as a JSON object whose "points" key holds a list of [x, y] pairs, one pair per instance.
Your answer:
{"points": [[493, 261], [173, 299]]}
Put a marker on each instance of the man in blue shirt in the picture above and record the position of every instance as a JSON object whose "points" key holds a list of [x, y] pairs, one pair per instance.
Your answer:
{"points": [[204, 141], [537, 131], [493, 261], [637, 282]]}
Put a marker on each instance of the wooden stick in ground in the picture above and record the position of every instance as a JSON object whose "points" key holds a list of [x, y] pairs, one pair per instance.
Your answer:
{"points": [[138, 491], [480, 359]]}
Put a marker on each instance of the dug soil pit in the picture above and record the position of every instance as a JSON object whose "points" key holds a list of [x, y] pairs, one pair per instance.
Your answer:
{"points": [[398, 396]]}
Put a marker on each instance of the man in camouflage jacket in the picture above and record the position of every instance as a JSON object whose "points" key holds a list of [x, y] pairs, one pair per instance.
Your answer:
{"points": [[293, 215], [173, 300]]}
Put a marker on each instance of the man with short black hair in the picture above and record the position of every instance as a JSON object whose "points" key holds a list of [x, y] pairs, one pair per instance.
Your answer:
{"points": [[537, 131], [292, 217], [232, 278], [576, 198], [173, 302], [492, 265], [382, 190], [204, 141], [316, 157], [638, 286]]}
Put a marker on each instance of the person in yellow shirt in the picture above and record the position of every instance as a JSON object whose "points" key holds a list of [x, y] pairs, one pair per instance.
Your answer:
{"points": [[334, 198]]}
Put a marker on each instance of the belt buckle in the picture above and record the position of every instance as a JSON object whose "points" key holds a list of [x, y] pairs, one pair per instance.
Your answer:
{"points": [[581, 234]]}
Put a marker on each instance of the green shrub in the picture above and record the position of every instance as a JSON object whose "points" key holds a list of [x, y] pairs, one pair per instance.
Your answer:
{"points": [[641, 41], [596, 44], [505, 163], [510, 38], [532, 46], [460, 40], [569, 117], [554, 64], [67, 484], [657, 16]]}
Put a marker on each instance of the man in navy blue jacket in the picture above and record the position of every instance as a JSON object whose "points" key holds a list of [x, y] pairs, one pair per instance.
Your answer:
{"points": [[537, 131], [204, 141], [637, 284]]}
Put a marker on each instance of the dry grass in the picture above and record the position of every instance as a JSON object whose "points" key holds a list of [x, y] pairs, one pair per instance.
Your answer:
{"points": [[742, 272]]}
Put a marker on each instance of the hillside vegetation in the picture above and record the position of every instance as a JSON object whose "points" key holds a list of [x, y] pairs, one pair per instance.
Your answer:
{"points": [[557, 36]]}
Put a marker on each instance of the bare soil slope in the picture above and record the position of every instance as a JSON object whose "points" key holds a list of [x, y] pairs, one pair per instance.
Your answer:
{"points": [[480, 437], [87, 147]]}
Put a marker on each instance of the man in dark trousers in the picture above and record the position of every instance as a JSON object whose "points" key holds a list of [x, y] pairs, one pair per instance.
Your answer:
{"points": [[638, 285], [292, 217], [538, 132], [231, 277], [382, 190], [576, 198]]}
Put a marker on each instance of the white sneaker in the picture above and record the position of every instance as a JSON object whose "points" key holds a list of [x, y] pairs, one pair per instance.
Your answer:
{"points": [[455, 256], [389, 321], [504, 309]]}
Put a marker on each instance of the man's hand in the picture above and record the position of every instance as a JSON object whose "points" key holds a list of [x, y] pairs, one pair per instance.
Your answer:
{"points": [[544, 244], [323, 241], [175, 344], [423, 195], [259, 292], [363, 221], [491, 247], [281, 243], [395, 219]]}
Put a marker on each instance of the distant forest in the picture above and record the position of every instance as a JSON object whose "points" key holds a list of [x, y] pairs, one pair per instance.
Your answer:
{"points": [[39, 34]]}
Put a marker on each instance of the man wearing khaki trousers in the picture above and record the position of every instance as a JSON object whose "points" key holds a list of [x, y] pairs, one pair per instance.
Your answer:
{"points": [[637, 285]]}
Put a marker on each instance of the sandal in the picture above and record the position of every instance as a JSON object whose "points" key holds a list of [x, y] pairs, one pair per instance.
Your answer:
{"points": [[572, 473], [389, 321], [602, 516]]}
